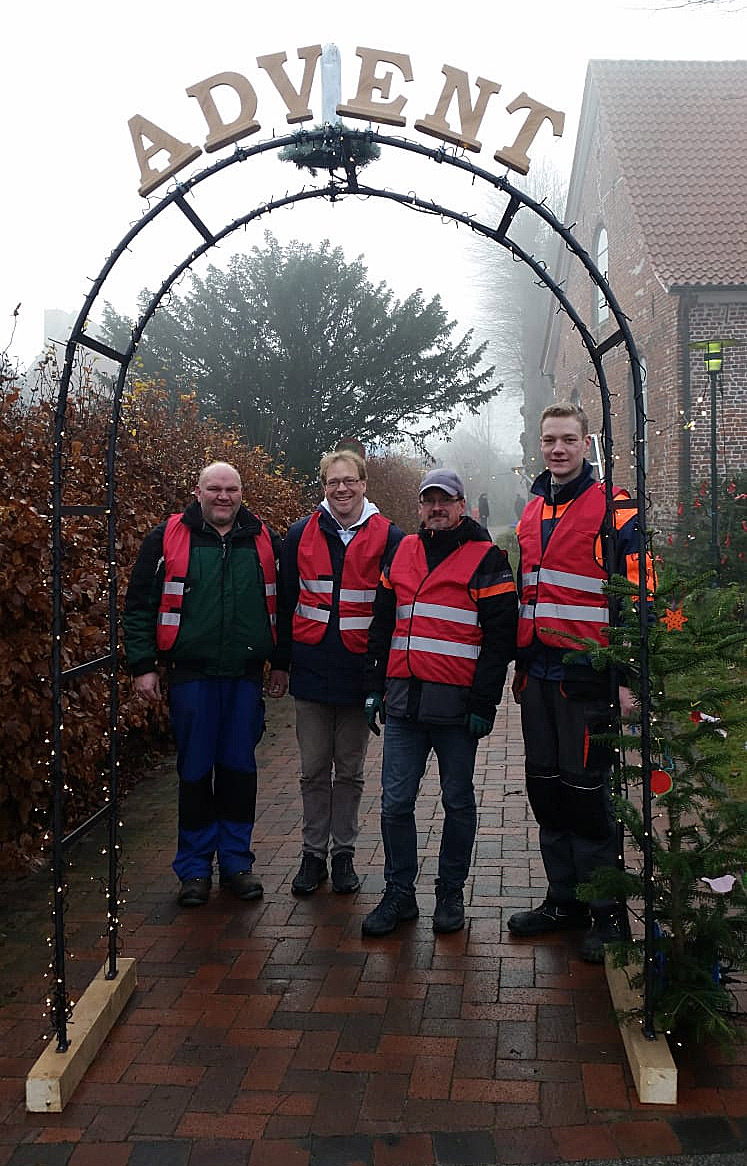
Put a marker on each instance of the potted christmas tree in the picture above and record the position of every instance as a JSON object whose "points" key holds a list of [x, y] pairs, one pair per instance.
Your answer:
{"points": [[698, 720]]}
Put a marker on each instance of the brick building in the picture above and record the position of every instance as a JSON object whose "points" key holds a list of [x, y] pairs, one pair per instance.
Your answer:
{"points": [[658, 196]]}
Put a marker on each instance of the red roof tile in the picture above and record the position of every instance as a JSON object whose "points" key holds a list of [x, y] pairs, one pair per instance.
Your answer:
{"points": [[679, 129]]}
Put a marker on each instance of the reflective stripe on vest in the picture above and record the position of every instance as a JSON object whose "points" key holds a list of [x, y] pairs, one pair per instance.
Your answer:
{"points": [[176, 562], [437, 636], [556, 599], [361, 567], [176, 547]]}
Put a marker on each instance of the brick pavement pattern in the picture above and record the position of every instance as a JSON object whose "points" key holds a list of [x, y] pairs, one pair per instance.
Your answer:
{"points": [[270, 1033]]}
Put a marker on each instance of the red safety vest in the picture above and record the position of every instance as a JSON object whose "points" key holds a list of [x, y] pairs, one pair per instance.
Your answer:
{"points": [[361, 568], [176, 545], [437, 636], [555, 595]]}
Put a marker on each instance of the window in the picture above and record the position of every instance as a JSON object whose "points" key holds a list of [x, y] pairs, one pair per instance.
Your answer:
{"points": [[601, 258]]}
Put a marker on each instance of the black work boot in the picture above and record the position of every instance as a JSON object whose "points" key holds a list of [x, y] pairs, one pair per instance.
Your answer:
{"points": [[194, 892], [395, 907], [244, 885], [550, 916], [344, 879], [311, 873], [605, 928], [449, 913]]}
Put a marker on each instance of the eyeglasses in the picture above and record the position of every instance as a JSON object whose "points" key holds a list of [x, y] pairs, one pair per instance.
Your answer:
{"points": [[333, 483]]}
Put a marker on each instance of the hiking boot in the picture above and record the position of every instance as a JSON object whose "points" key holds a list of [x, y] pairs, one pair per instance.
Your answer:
{"points": [[244, 885], [194, 892], [449, 913], [395, 907], [311, 873], [344, 878], [604, 930], [550, 916]]}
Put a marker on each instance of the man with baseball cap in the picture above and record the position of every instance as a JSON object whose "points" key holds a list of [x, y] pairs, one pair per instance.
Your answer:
{"points": [[442, 636]]}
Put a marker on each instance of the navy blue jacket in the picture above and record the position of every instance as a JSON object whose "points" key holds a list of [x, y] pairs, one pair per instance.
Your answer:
{"points": [[326, 672]]}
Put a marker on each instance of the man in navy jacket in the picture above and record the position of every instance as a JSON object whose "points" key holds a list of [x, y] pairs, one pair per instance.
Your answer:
{"points": [[331, 562]]}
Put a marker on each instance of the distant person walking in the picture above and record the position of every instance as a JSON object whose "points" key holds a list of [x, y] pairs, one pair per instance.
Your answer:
{"points": [[483, 510]]}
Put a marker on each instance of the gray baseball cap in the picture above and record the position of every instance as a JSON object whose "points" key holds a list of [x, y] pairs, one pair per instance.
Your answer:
{"points": [[446, 480]]}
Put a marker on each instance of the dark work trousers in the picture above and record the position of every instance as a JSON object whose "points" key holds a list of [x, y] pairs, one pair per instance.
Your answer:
{"points": [[217, 723], [567, 776]]}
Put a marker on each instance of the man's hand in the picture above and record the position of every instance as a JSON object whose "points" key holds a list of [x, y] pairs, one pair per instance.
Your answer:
{"points": [[479, 726], [629, 706], [277, 685], [373, 706], [148, 686], [518, 684]]}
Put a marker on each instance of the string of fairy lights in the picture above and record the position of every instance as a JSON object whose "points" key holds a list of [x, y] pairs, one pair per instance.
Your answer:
{"points": [[60, 1006]]}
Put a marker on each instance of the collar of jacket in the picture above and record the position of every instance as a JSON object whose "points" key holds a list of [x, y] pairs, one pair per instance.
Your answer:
{"points": [[330, 523], [446, 541], [542, 486]]}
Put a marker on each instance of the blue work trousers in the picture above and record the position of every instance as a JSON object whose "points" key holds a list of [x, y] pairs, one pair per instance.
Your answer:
{"points": [[406, 748], [217, 723]]}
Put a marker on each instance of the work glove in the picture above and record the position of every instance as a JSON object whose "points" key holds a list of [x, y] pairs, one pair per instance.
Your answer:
{"points": [[479, 726], [374, 704]]}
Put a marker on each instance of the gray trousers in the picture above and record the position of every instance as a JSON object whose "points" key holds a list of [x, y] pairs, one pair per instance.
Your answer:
{"points": [[568, 776], [331, 737]]}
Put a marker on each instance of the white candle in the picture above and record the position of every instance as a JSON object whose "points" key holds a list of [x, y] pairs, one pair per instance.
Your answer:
{"points": [[331, 84]]}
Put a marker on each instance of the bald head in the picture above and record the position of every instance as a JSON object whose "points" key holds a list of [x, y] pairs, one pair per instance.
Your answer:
{"points": [[218, 491]]}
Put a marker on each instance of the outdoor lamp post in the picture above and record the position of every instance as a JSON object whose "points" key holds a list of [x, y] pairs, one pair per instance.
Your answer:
{"points": [[713, 359], [713, 356]]}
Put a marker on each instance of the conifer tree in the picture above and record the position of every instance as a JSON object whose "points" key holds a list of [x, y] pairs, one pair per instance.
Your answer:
{"points": [[698, 719]]}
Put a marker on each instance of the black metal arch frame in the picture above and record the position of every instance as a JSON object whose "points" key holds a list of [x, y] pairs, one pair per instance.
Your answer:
{"points": [[343, 181]]}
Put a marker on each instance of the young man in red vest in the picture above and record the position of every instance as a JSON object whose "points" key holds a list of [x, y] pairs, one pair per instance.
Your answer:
{"points": [[565, 547], [331, 563], [202, 600], [442, 637]]}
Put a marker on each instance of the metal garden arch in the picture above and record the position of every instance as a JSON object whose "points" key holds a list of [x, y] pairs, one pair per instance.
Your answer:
{"points": [[343, 181]]}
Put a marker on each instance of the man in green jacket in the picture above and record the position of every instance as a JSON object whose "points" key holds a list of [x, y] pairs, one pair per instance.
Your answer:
{"points": [[202, 600]]}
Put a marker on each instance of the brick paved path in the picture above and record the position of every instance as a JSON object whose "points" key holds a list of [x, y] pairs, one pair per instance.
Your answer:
{"points": [[271, 1034]]}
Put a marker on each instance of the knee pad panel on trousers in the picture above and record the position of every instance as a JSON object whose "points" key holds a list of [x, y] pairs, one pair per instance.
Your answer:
{"points": [[235, 795], [543, 792], [587, 806], [196, 804]]}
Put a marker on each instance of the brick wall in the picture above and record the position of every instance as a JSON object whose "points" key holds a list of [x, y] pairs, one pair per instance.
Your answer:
{"points": [[662, 324]]}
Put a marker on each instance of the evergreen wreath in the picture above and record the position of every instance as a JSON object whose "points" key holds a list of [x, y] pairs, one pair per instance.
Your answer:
{"points": [[338, 148]]}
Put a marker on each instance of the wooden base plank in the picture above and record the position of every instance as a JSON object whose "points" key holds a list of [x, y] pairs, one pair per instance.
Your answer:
{"points": [[651, 1062], [55, 1076]]}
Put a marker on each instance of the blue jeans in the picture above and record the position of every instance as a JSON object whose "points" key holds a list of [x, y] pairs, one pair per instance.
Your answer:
{"points": [[406, 748]]}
